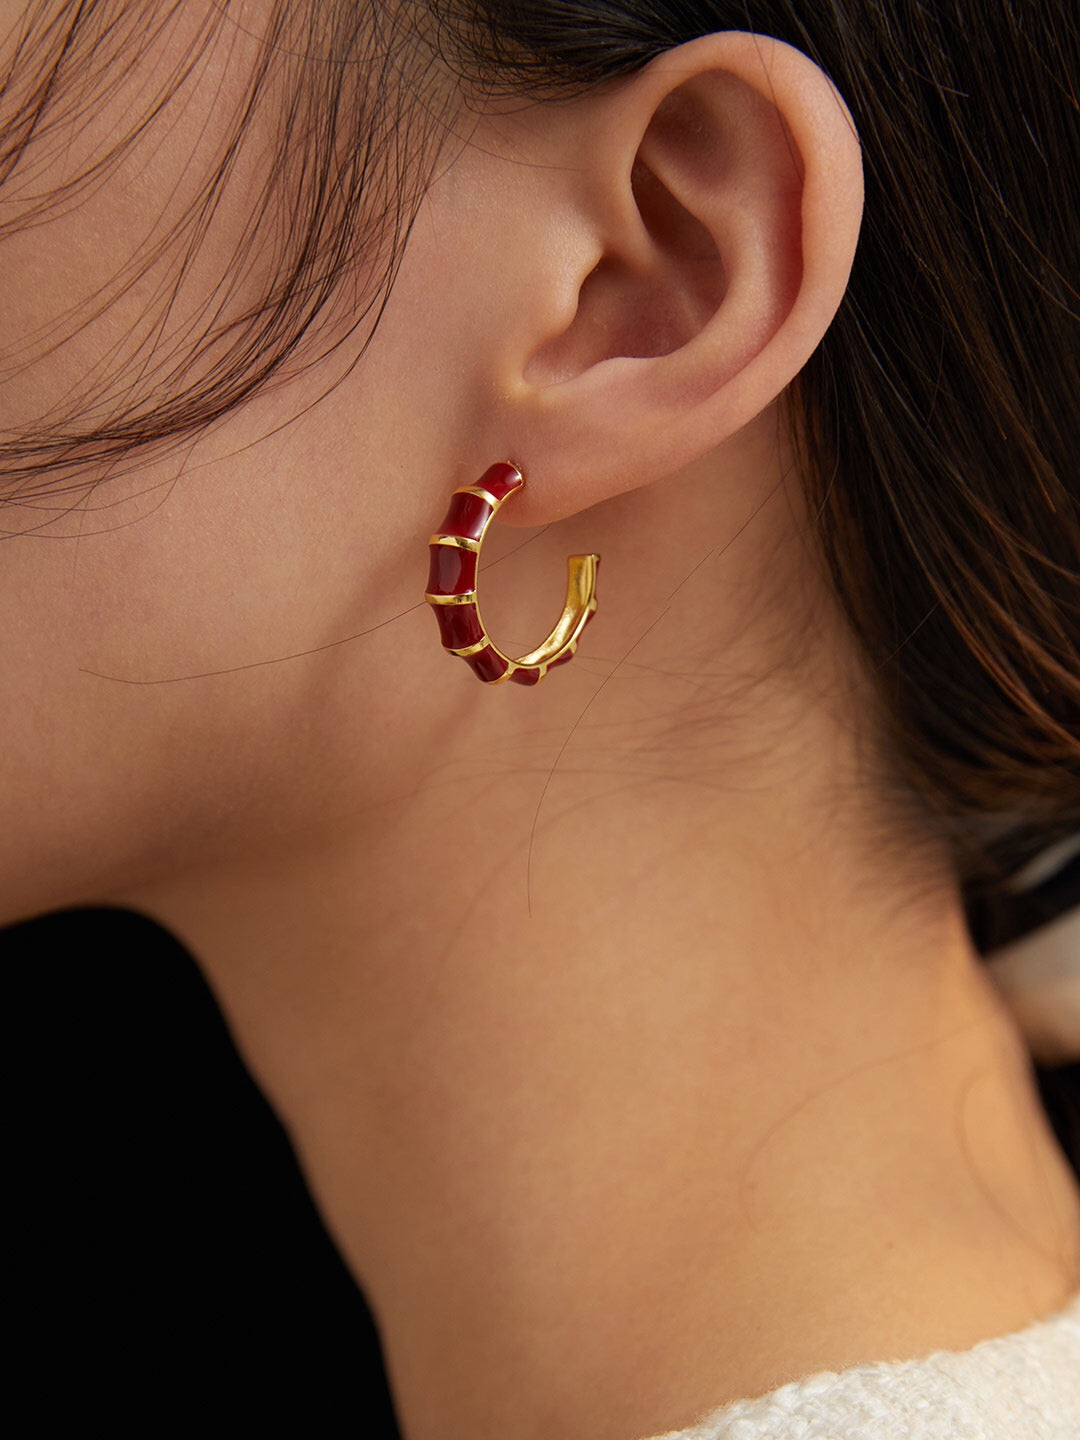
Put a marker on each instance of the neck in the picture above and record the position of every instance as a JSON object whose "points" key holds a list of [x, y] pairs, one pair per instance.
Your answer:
{"points": [[643, 1085]]}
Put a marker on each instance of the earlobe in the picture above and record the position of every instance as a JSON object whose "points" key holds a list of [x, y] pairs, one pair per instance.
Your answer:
{"points": [[725, 211]]}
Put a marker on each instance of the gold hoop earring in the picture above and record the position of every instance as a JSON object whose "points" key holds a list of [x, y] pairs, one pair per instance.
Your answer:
{"points": [[451, 592]]}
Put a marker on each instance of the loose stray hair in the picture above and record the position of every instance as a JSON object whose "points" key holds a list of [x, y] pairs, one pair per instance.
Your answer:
{"points": [[342, 99]]}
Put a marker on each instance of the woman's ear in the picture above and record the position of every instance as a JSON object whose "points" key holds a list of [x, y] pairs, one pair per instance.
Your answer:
{"points": [[673, 248]]}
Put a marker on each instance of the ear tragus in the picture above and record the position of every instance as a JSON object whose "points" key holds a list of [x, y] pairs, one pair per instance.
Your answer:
{"points": [[635, 310]]}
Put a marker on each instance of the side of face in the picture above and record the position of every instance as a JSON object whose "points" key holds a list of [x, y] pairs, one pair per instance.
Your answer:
{"points": [[223, 651]]}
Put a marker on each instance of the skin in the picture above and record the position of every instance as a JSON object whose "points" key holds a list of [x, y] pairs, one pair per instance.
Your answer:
{"points": [[634, 1050]]}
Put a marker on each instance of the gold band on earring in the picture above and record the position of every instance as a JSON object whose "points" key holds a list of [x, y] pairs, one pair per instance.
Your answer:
{"points": [[455, 552]]}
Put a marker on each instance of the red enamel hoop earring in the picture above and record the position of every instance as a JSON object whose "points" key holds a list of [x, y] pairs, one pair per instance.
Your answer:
{"points": [[451, 592]]}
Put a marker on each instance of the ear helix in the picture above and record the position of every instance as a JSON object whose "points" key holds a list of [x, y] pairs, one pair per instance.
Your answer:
{"points": [[452, 594]]}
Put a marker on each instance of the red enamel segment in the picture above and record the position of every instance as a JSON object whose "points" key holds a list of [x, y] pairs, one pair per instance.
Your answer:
{"points": [[468, 515], [501, 480], [459, 625], [526, 677], [452, 571], [487, 664]]}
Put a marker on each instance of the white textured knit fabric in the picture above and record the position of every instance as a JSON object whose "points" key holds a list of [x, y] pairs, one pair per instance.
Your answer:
{"points": [[1024, 1386]]}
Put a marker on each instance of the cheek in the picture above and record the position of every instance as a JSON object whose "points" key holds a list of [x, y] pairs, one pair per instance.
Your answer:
{"points": [[232, 647], [243, 651]]}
